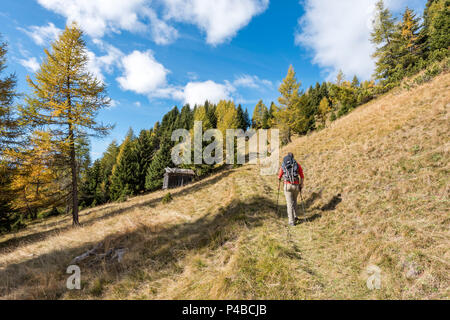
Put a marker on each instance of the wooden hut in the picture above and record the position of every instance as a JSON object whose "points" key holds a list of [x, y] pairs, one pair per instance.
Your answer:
{"points": [[174, 177]]}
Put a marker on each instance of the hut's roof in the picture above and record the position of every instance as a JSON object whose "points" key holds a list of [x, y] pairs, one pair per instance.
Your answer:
{"points": [[180, 171]]}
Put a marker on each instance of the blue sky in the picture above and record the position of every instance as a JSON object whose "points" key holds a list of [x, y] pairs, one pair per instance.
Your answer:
{"points": [[155, 54]]}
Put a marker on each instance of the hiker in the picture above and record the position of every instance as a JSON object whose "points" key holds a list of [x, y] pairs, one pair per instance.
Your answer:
{"points": [[293, 184]]}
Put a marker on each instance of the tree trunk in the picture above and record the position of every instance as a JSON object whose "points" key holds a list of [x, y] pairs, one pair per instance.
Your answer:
{"points": [[73, 167], [73, 160]]}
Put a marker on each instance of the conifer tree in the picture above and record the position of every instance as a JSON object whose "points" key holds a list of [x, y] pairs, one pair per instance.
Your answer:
{"points": [[65, 99], [125, 173], [408, 38], [185, 118], [258, 115], [156, 169], [247, 120], [227, 116], [436, 25], [144, 150], [355, 82], [9, 132], [90, 190], [200, 114], [382, 36], [241, 118], [107, 162], [6, 194], [324, 108], [288, 103], [211, 114], [38, 174], [9, 127]]}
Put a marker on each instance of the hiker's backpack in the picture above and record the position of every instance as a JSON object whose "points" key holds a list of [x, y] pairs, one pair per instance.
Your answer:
{"points": [[290, 169]]}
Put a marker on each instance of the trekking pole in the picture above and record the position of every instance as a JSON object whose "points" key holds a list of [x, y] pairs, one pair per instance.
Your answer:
{"points": [[278, 194], [303, 204]]}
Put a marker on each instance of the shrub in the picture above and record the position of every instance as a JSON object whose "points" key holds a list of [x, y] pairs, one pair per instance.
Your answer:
{"points": [[167, 198]]}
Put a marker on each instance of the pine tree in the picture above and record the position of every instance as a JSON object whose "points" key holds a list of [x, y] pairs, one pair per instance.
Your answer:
{"points": [[107, 163], [266, 119], [185, 118], [156, 169], [9, 127], [340, 78], [144, 150], [6, 196], [211, 114], [125, 173], [247, 120], [436, 26], [9, 132], [383, 37], [65, 99], [241, 118], [90, 190], [355, 82], [169, 121]]}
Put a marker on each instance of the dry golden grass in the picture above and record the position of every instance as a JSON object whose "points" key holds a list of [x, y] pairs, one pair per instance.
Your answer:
{"points": [[377, 192]]}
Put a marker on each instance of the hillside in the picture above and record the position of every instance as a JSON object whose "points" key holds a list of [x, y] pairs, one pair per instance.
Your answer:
{"points": [[377, 193]]}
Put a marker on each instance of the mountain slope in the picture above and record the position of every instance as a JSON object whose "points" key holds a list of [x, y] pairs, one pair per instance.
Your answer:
{"points": [[377, 193]]}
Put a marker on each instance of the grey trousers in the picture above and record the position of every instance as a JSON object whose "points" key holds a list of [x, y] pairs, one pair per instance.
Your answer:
{"points": [[291, 192]]}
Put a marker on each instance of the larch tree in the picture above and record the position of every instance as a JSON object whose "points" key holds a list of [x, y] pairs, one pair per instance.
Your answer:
{"points": [[324, 109], [9, 133], [258, 115], [227, 116], [384, 29], [9, 127], [288, 102], [408, 38], [65, 100], [36, 180]]}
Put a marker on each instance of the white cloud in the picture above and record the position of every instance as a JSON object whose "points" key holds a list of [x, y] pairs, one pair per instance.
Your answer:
{"points": [[44, 34], [98, 64], [254, 82], [30, 64], [142, 73], [338, 34], [199, 92], [162, 33], [220, 19], [98, 17]]}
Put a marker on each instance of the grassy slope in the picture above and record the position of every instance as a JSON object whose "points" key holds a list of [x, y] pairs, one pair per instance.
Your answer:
{"points": [[377, 192]]}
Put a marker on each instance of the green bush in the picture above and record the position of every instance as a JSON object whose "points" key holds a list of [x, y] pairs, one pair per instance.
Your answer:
{"points": [[167, 198]]}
